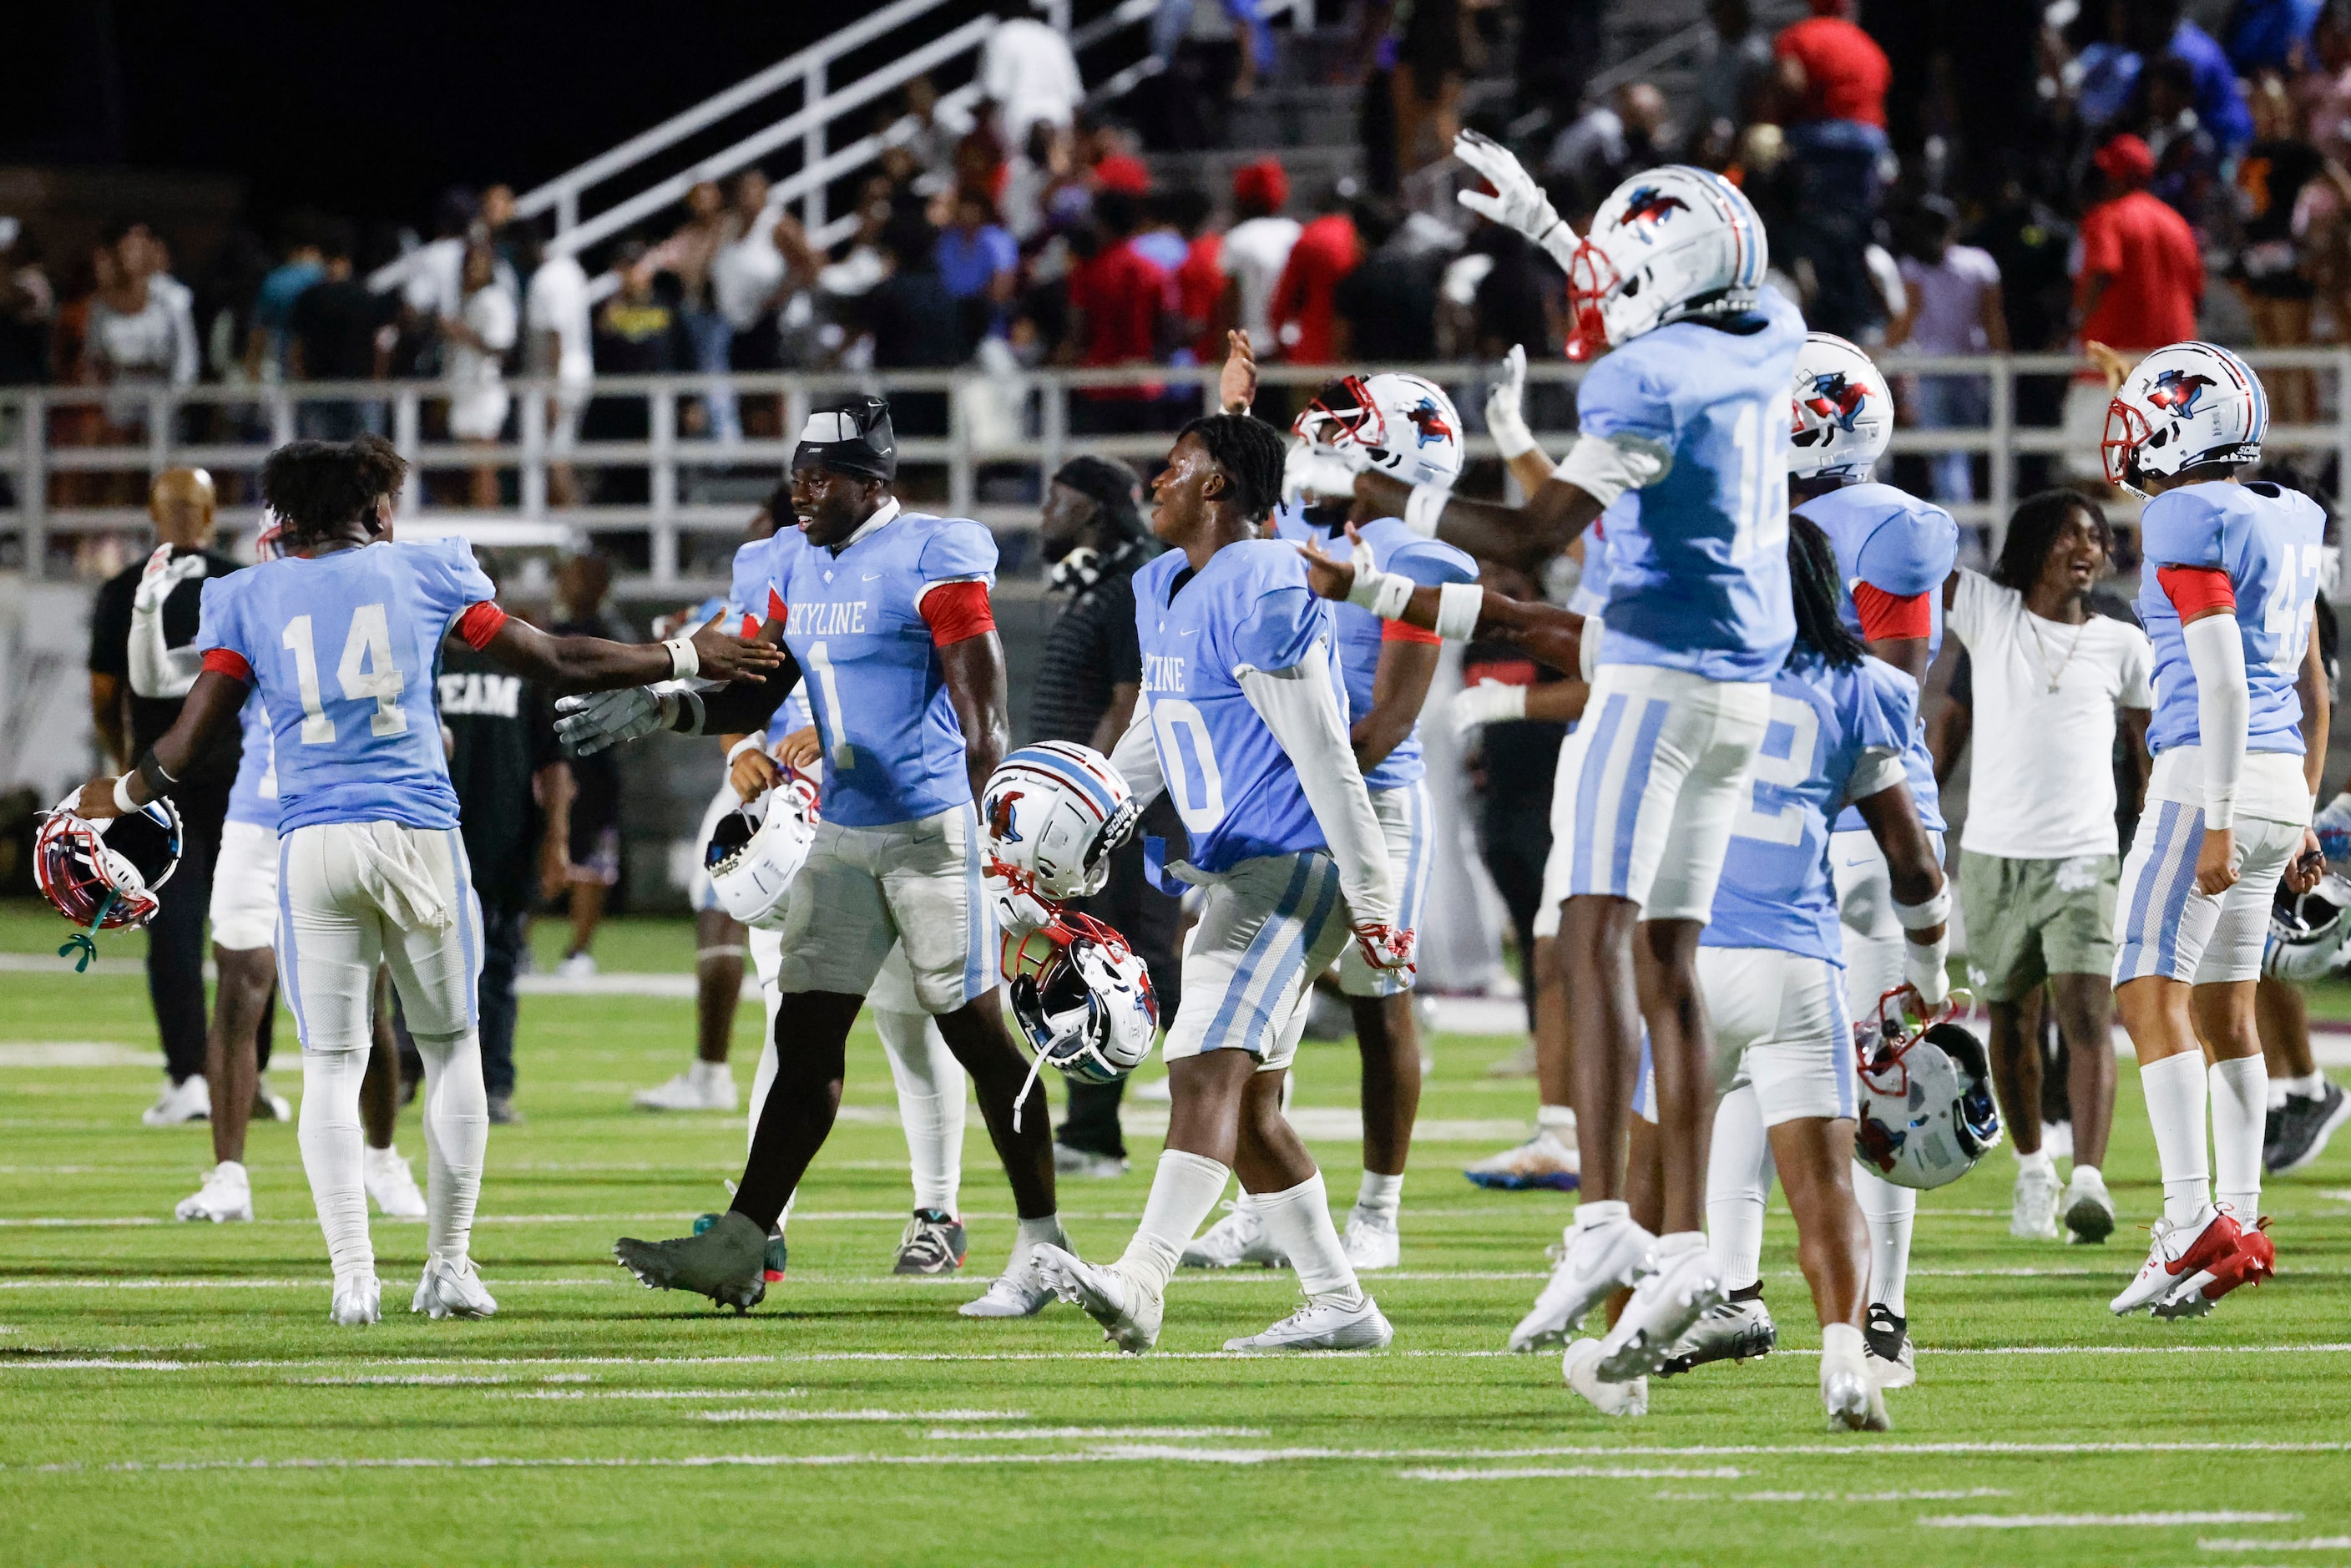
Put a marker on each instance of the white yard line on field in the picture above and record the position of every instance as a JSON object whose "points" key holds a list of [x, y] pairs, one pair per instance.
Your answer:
{"points": [[1550, 1472], [2099, 1520], [871, 1416], [2308, 1543]]}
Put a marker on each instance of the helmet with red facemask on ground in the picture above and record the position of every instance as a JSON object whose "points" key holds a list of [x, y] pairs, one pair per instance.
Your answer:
{"points": [[1404, 426], [103, 875], [2183, 405]]}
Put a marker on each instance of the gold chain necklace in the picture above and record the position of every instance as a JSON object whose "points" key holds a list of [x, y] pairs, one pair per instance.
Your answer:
{"points": [[2040, 650]]}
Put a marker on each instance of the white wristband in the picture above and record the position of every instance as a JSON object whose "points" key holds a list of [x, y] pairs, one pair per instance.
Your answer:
{"points": [[1458, 605], [1384, 593], [1935, 911], [1421, 512], [683, 660], [123, 800], [1511, 436], [749, 743]]}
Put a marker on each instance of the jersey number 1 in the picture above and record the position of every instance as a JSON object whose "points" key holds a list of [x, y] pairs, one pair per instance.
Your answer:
{"points": [[365, 671]]}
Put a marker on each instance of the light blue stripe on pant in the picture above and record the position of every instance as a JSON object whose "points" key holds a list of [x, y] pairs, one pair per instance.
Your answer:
{"points": [[1291, 955], [1260, 945], [289, 963], [2159, 892]]}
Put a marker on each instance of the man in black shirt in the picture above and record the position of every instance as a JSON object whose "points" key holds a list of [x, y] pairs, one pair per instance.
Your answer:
{"points": [[181, 503], [514, 795], [1088, 678], [334, 324]]}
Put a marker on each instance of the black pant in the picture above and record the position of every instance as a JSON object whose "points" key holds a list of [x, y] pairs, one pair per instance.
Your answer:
{"points": [[503, 934], [175, 936], [1514, 834], [1149, 921]]}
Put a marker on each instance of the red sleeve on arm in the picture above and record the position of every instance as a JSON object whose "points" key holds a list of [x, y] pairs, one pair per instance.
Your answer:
{"points": [[777, 609], [480, 623], [230, 663], [957, 611], [1888, 617], [1406, 632], [2196, 590]]}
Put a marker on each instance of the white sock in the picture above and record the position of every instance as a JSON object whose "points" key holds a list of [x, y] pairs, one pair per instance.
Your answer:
{"points": [[2090, 1174], [1673, 1243], [2311, 1085], [1029, 1233], [2175, 1093], [456, 1138], [1184, 1192], [931, 1104], [2240, 1088], [763, 1077], [2038, 1160], [1380, 1194], [333, 1153], [2280, 1088], [1738, 1184], [1559, 1120], [1842, 1350], [1298, 1222], [1891, 1212], [705, 1073]]}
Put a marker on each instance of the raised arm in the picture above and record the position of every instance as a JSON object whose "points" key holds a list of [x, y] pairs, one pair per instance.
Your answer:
{"points": [[1544, 632], [1554, 514]]}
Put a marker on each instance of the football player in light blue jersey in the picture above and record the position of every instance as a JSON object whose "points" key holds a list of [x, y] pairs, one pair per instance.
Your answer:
{"points": [[1387, 667], [1239, 724], [340, 637], [883, 615], [2231, 570], [1687, 407]]}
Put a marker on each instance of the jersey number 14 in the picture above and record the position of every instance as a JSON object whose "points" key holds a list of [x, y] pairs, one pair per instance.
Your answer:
{"points": [[364, 670]]}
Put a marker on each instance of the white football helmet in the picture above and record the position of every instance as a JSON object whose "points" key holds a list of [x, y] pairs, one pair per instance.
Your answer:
{"points": [[1844, 411], [1925, 1113], [102, 875], [1670, 243], [1405, 425], [2184, 404], [1083, 998], [2308, 931], [1052, 813], [758, 848]]}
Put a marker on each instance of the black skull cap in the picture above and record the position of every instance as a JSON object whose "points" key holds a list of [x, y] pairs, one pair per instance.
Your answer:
{"points": [[850, 436]]}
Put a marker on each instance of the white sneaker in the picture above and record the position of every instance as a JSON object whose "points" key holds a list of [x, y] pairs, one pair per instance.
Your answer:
{"points": [[2057, 1140], [1596, 1258], [1850, 1395], [1238, 1237], [577, 967], [1154, 1092], [1371, 1242], [393, 1185], [1129, 1313], [276, 1107], [2181, 1260], [452, 1290], [1608, 1398], [1326, 1324], [357, 1300], [705, 1086], [227, 1194], [1731, 1332], [1019, 1291], [1087, 1165], [2089, 1207], [1681, 1289], [187, 1100], [2032, 1212], [1542, 1161]]}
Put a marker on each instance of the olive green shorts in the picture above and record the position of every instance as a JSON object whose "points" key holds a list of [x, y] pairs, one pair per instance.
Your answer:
{"points": [[2030, 919]]}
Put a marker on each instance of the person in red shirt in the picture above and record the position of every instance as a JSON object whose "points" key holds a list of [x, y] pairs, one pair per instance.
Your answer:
{"points": [[1833, 68], [1304, 312], [1200, 281], [1121, 307], [2140, 281]]}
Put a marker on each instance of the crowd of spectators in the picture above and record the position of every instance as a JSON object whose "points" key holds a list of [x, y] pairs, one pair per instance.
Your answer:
{"points": [[1908, 210]]}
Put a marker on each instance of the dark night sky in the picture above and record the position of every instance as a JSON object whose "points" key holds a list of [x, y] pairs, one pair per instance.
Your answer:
{"points": [[368, 109]]}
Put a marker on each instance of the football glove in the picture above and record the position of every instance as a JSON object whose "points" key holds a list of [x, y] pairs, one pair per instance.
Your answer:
{"points": [[1504, 416], [1518, 201], [1384, 947], [1488, 702], [587, 725], [161, 574]]}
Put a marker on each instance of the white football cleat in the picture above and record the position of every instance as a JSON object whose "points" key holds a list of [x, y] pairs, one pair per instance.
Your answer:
{"points": [[1542, 1161], [1596, 1259], [393, 1185], [357, 1300], [1087, 1165], [2089, 1207], [1238, 1237], [186, 1101], [1886, 1338], [1129, 1313], [2057, 1140], [1326, 1324], [227, 1194], [2032, 1211], [2181, 1260], [1679, 1290], [577, 966], [1371, 1241], [1608, 1398], [1731, 1332], [705, 1086], [1851, 1395], [1019, 1291], [452, 1290]]}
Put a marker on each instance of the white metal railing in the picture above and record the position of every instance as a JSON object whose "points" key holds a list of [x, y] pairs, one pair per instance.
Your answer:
{"points": [[72, 471]]}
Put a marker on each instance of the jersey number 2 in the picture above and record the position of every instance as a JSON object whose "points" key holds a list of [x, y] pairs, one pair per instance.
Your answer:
{"points": [[364, 670], [1780, 824]]}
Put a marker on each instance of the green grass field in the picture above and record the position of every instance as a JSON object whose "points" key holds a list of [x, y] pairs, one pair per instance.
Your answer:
{"points": [[172, 1393]]}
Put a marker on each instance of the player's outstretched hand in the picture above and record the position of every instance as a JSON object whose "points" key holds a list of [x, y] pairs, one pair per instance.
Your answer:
{"points": [[1384, 947], [1488, 702], [723, 657], [161, 574], [1327, 575], [1237, 383], [1518, 202], [587, 725]]}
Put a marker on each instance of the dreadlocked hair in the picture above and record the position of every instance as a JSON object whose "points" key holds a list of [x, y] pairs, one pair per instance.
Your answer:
{"points": [[316, 487], [1250, 452], [1815, 587], [2033, 528]]}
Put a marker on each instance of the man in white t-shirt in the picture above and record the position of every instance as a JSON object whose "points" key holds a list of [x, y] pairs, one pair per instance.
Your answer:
{"points": [[1952, 306], [556, 307], [1027, 70], [1257, 247], [2039, 859]]}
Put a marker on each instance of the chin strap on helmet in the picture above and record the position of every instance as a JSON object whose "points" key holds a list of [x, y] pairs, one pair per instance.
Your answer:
{"points": [[85, 943]]}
